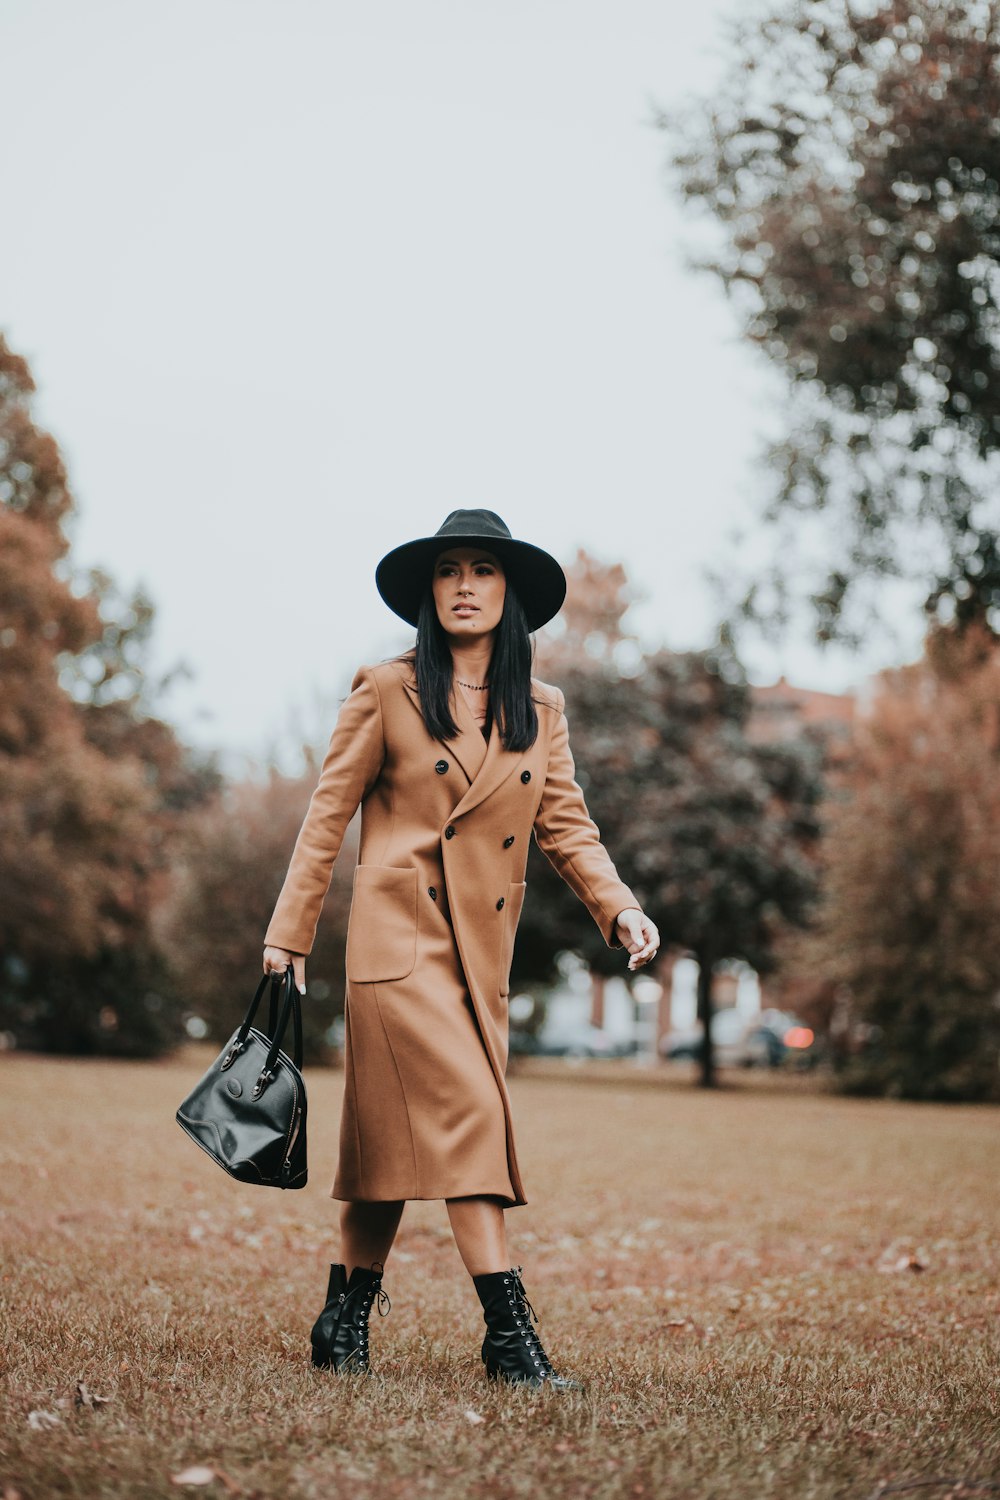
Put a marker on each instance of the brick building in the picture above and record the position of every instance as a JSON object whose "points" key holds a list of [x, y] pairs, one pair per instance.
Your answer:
{"points": [[780, 711]]}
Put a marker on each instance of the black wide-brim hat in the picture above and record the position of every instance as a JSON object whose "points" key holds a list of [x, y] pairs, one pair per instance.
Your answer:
{"points": [[404, 573]]}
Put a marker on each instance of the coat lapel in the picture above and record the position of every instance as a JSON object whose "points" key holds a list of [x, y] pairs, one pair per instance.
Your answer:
{"points": [[496, 767], [486, 766], [468, 746]]}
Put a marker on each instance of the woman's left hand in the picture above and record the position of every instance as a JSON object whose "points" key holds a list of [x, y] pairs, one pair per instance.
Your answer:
{"points": [[639, 935]]}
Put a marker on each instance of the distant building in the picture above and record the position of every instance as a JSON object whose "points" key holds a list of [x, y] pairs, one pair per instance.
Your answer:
{"points": [[781, 712]]}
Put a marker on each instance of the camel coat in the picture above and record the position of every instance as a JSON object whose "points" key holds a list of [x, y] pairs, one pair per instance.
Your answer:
{"points": [[438, 892]]}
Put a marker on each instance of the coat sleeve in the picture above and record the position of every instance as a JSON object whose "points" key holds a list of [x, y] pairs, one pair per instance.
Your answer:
{"points": [[350, 769], [571, 841]]}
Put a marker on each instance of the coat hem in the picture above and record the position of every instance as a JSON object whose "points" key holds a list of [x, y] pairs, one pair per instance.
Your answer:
{"points": [[506, 1199]]}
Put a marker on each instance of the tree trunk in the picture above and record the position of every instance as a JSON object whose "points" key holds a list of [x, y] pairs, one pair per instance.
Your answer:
{"points": [[597, 983], [664, 1019], [705, 965]]}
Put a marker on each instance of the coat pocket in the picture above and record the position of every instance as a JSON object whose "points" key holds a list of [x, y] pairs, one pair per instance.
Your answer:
{"points": [[382, 930], [511, 917]]}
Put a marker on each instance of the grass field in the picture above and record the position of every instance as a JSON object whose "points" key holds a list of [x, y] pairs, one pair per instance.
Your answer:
{"points": [[770, 1292]]}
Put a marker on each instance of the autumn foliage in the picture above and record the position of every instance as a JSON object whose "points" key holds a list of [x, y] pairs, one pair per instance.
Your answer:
{"points": [[92, 785], [230, 868], [909, 925]]}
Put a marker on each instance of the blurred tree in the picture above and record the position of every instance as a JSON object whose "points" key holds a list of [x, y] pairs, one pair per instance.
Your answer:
{"points": [[714, 832], [228, 879], [852, 160], [591, 626], [909, 921], [91, 788]]}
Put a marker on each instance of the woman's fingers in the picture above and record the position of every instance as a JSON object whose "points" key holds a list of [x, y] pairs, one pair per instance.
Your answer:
{"points": [[276, 961], [648, 942], [639, 936]]}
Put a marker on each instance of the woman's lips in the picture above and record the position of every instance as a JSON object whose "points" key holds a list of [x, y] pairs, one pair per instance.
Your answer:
{"points": [[465, 609]]}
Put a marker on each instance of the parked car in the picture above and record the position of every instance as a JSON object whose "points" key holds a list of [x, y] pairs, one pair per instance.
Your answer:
{"points": [[737, 1042], [575, 1040], [797, 1044], [764, 1041]]}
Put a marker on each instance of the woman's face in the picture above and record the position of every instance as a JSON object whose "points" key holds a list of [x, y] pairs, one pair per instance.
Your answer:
{"points": [[469, 589]]}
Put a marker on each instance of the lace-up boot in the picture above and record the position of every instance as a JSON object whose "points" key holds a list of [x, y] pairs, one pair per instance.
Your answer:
{"points": [[512, 1350], [340, 1333]]}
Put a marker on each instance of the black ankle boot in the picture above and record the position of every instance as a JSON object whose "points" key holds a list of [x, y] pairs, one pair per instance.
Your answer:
{"points": [[512, 1350], [340, 1333]]}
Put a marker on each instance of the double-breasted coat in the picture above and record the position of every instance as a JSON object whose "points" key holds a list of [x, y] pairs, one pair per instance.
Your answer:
{"points": [[438, 892]]}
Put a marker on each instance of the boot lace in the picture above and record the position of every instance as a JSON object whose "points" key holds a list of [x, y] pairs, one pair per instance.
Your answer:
{"points": [[375, 1292], [373, 1295], [521, 1305]]}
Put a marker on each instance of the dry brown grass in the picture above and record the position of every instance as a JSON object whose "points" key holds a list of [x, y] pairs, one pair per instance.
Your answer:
{"points": [[721, 1271]]}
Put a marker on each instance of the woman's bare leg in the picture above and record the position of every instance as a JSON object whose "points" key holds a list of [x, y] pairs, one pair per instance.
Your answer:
{"points": [[367, 1231], [480, 1234]]}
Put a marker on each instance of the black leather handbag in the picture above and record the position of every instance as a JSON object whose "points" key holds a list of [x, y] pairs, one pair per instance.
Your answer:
{"points": [[249, 1110]]}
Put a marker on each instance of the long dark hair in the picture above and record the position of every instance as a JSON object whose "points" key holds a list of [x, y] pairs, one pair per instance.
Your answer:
{"points": [[510, 674]]}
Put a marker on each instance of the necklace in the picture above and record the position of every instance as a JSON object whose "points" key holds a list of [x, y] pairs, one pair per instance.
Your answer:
{"points": [[476, 687]]}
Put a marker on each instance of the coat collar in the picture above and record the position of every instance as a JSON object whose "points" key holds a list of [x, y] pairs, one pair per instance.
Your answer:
{"points": [[486, 766]]}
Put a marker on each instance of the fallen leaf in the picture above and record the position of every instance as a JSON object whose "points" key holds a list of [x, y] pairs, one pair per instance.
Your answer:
{"points": [[42, 1421], [474, 1417], [907, 1263], [85, 1397], [897, 1258]]}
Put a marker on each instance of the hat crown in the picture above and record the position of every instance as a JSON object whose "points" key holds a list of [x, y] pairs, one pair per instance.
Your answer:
{"points": [[485, 523]]}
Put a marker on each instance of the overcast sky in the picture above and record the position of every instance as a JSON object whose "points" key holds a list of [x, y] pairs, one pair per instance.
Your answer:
{"points": [[298, 277]]}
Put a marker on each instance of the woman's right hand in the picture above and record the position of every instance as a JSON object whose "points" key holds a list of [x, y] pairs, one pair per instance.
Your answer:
{"points": [[276, 961]]}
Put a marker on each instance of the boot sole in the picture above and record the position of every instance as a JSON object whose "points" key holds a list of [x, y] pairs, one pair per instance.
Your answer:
{"points": [[531, 1383], [349, 1366]]}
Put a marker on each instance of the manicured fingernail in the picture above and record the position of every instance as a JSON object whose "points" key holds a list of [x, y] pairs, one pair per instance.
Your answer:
{"points": [[302, 989]]}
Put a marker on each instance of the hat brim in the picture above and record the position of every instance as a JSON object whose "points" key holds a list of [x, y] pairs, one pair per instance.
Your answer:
{"points": [[404, 573]]}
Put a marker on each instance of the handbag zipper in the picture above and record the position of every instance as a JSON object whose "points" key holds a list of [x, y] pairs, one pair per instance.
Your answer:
{"points": [[292, 1134]]}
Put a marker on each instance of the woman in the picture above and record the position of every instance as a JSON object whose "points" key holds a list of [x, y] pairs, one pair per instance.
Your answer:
{"points": [[456, 756]]}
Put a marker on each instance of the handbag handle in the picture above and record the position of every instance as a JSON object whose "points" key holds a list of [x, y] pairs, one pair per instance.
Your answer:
{"points": [[290, 1009]]}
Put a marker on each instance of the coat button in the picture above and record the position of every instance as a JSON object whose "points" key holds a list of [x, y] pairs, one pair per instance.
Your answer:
{"points": [[500, 904], [525, 776], [449, 832], [508, 841], [441, 767], [432, 892]]}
